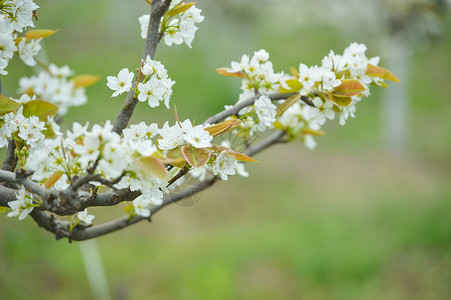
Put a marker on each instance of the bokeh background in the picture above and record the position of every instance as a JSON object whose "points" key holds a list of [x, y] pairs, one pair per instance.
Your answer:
{"points": [[364, 216]]}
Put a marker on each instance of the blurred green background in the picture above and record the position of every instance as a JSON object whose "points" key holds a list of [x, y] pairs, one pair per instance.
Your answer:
{"points": [[350, 220]]}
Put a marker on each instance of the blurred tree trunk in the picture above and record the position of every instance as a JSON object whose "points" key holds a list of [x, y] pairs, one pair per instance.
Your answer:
{"points": [[395, 131]]}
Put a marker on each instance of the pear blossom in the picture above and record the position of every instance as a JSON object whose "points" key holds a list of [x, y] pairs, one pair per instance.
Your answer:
{"points": [[28, 49], [171, 137], [85, 217], [122, 83], [22, 206], [151, 91], [266, 111], [181, 29], [321, 111], [7, 46], [21, 13], [55, 87], [151, 66], [198, 137], [224, 165]]}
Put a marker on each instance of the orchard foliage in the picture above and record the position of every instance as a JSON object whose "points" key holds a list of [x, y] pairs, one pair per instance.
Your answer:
{"points": [[49, 172]]}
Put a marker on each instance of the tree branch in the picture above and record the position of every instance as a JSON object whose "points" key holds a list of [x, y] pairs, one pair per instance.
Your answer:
{"points": [[6, 195], [157, 11], [9, 164], [80, 234], [240, 105]]}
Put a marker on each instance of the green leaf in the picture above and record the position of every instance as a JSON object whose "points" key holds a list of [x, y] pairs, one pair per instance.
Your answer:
{"points": [[225, 72], [84, 80], [286, 104], [348, 88], [39, 33], [217, 129], [196, 157], [2, 209], [294, 86], [178, 9], [153, 166], [340, 101], [7, 105], [40, 108]]}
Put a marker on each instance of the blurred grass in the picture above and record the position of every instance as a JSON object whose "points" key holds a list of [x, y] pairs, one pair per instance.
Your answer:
{"points": [[348, 221]]}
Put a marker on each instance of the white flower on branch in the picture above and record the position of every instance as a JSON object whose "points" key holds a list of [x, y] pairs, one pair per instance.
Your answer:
{"points": [[22, 206], [7, 46], [28, 49], [198, 137], [151, 91], [85, 217], [21, 13], [225, 165], [122, 83], [321, 111]]}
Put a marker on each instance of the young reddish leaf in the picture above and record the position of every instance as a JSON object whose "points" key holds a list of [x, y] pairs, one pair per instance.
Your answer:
{"points": [[39, 33], [306, 130], [152, 165], [374, 71], [340, 101], [84, 80], [217, 129], [242, 157], [196, 157], [286, 104], [348, 88], [389, 76], [39, 108], [238, 155], [294, 86], [7, 105], [225, 72], [49, 182], [178, 9], [175, 158]]}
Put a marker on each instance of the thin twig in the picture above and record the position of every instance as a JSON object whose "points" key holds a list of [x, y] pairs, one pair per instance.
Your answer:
{"points": [[157, 11], [240, 105]]}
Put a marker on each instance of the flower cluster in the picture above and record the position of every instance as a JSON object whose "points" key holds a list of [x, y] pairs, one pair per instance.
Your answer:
{"points": [[27, 131], [156, 85], [333, 88], [54, 85], [15, 16], [182, 133], [178, 28]]}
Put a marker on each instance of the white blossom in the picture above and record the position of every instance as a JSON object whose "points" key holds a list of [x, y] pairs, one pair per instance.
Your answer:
{"points": [[122, 83], [198, 137], [22, 206], [28, 49], [85, 217], [224, 165]]}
